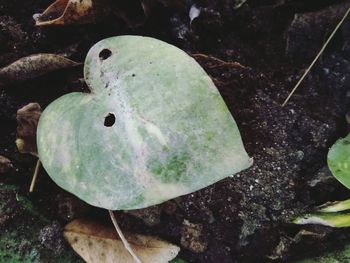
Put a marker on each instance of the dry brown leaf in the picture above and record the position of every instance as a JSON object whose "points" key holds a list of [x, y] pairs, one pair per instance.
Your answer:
{"points": [[133, 12], [27, 122], [96, 243], [65, 12], [33, 66]]}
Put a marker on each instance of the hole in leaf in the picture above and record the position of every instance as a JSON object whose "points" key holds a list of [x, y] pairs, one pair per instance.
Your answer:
{"points": [[109, 120], [104, 54]]}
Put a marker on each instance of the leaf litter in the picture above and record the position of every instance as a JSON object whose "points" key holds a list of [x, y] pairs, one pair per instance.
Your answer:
{"points": [[33, 66], [97, 243]]}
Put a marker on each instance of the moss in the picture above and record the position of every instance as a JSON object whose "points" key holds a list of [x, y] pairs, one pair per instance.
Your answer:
{"points": [[20, 241], [172, 170]]}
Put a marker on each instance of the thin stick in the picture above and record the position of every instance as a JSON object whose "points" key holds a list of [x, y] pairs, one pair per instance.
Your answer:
{"points": [[316, 58], [222, 62], [35, 176], [122, 237]]}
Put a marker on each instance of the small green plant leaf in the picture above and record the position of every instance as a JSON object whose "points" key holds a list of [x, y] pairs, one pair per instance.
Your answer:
{"points": [[326, 219], [154, 127], [339, 160], [332, 207]]}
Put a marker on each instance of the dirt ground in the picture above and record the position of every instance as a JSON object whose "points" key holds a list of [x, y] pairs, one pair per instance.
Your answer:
{"points": [[244, 218]]}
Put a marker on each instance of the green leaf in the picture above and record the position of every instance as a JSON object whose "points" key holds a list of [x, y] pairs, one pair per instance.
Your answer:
{"points": [[327, 219], [154, 127], [332, 207], [339, 160]]}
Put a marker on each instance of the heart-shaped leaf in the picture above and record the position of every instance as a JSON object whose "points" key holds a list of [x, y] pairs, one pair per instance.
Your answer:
{"points": [[154, 127]]}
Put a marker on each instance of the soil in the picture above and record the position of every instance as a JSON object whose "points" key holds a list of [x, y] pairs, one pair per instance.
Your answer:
{"points": [[244, 218]]}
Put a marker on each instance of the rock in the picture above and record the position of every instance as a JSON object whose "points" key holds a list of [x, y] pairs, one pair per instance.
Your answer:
{"points": [[150, 216], [5, 165], [192, 237], [308, 31]]}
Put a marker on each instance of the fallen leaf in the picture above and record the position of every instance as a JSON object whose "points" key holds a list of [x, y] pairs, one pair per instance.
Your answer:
{"points": [[186, 141], [27, 122], [133, 12], [64, 12], [33, 66], [97, 243]]}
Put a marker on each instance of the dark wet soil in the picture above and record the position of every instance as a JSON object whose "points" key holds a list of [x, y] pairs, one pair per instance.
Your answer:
{"points": [[244, 218]]}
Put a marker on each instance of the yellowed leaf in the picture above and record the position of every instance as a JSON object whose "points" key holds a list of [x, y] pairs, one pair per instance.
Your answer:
{"points": [[96, 243], [33, 66], [27, 122]]}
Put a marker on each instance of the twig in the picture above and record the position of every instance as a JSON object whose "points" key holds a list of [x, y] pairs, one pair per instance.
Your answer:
{"points": [[316, 58], [35, 176], [122, 237], [217, 60]]}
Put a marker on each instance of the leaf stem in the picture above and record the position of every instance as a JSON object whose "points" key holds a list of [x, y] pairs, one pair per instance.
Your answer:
{"points": [[316, 58], [122, 237], [35, 176]]}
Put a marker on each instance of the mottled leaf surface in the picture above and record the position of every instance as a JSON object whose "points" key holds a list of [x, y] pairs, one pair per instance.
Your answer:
{"points": [[154, 127]]}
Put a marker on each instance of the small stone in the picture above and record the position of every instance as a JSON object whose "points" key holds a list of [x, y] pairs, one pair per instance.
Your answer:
{"points": [[192, 237], [5, 165]]}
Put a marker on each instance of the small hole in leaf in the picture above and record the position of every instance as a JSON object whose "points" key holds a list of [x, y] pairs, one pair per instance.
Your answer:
{"points": [[133, 75], [109, 120], [104, 54]]}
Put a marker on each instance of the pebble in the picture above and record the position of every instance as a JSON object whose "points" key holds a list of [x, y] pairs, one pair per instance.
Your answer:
{"points": [[192, 237]]}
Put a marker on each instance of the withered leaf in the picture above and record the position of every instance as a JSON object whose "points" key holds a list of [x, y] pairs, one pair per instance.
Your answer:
{"points": [[97, 243], [33, 66], [65, 12], [27, 122], [133, 12]]}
